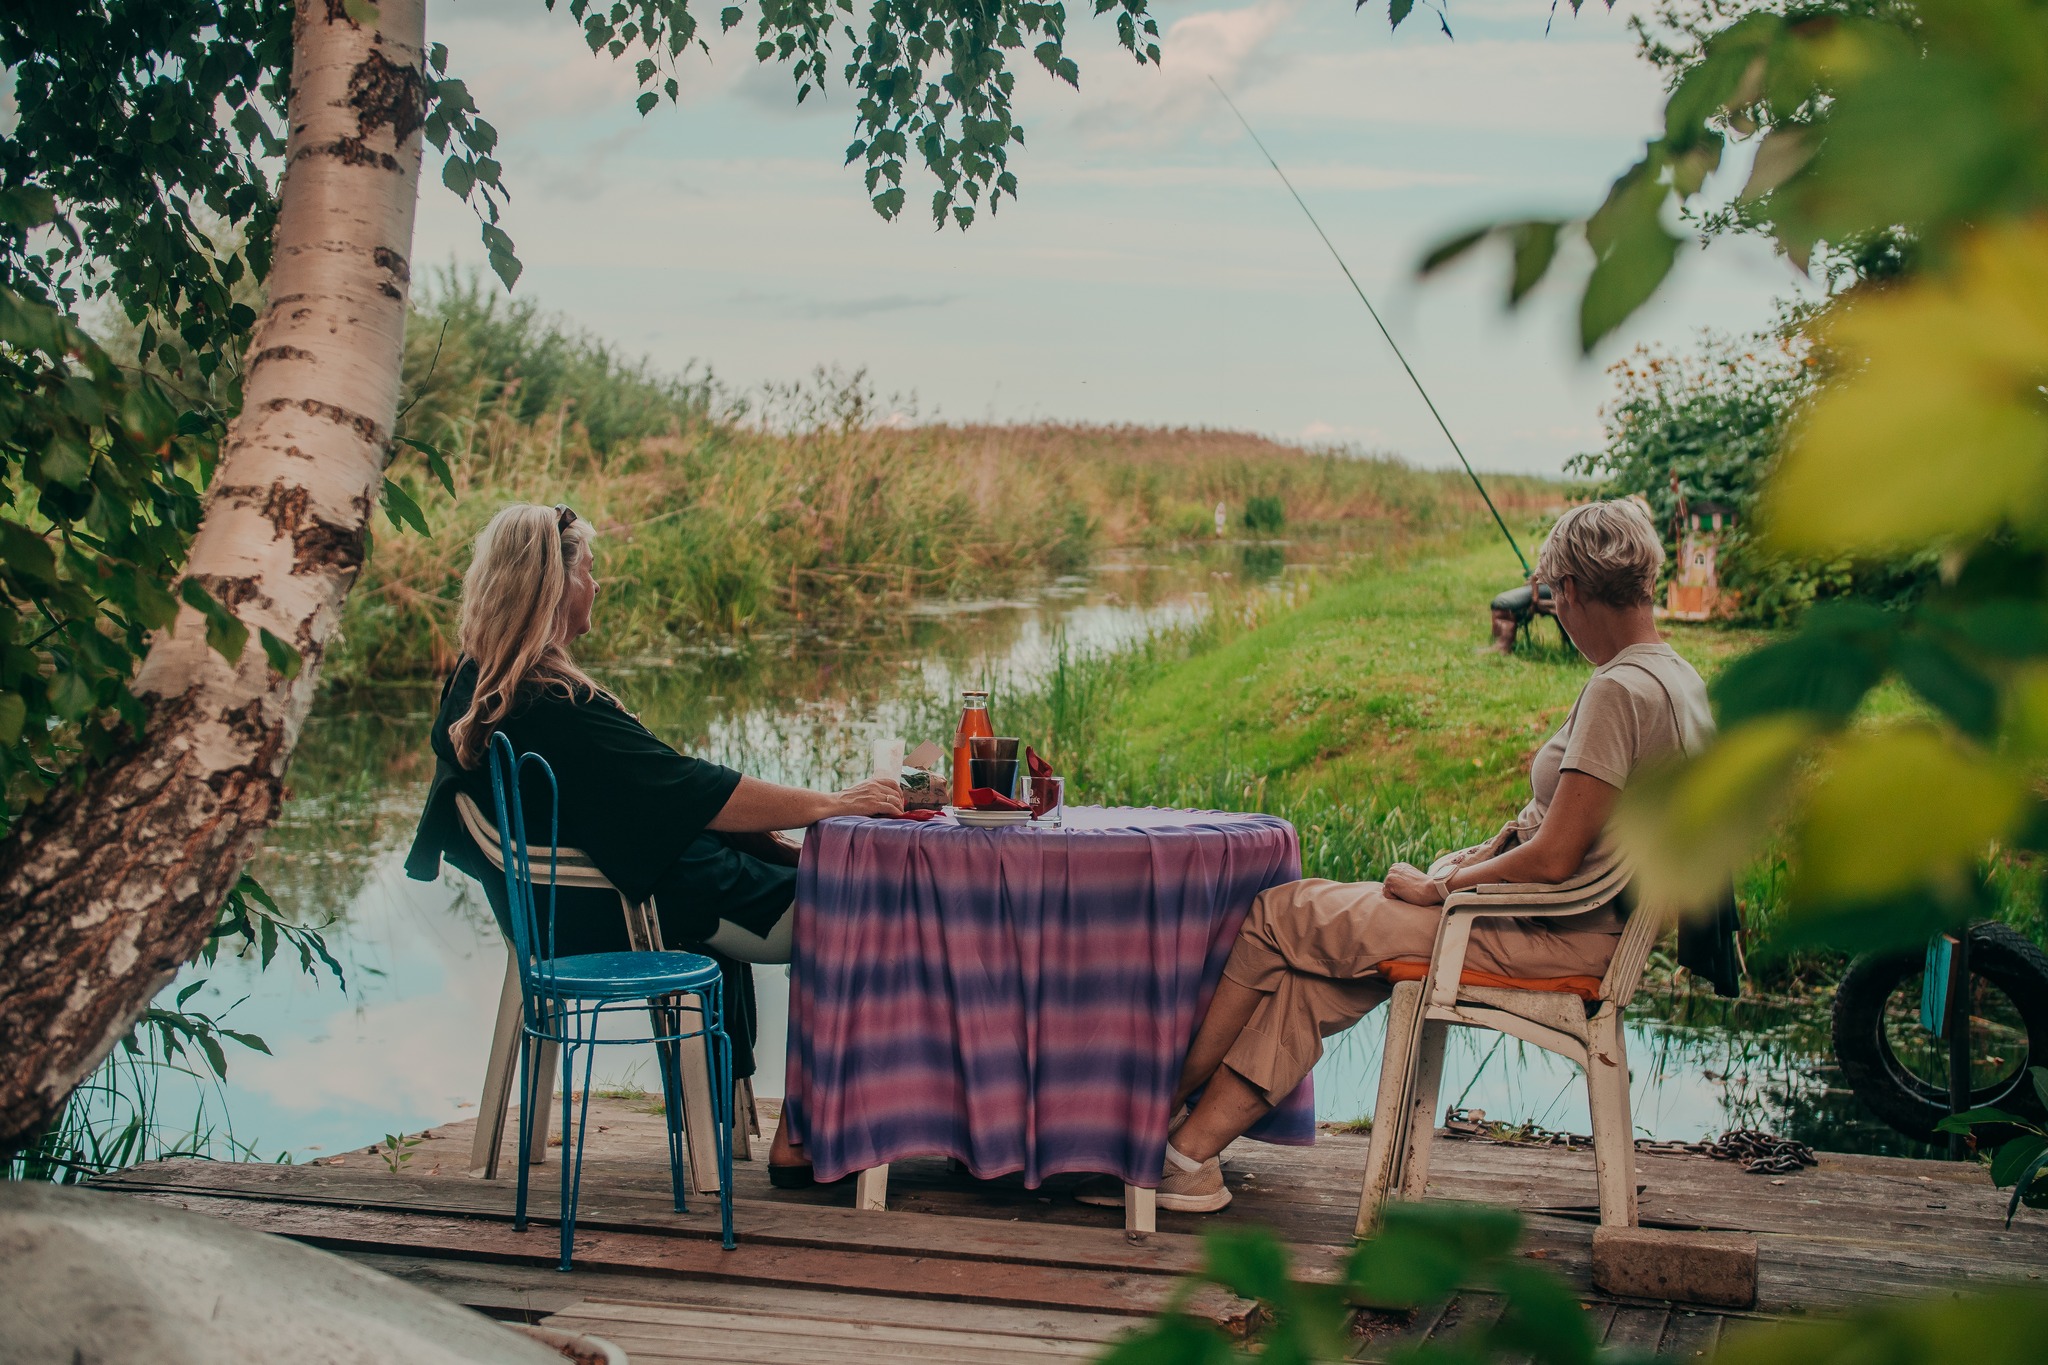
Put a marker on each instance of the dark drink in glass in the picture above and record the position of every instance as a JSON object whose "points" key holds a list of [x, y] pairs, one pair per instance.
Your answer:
{"points": [[992, 762]]}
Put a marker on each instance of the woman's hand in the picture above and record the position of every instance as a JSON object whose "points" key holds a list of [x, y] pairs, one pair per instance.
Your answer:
{"points": [[1409, 883], [876, 796]]}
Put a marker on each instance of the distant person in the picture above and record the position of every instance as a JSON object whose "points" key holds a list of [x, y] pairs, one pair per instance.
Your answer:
{"points": [[697, 837], [1307, 961]]}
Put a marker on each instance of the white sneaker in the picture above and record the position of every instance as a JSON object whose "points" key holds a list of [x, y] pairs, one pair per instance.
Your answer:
{"points": [[1198, 1191]]}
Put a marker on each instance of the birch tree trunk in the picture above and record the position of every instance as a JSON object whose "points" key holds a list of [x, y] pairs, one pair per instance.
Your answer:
{"points": [[108, 888]]}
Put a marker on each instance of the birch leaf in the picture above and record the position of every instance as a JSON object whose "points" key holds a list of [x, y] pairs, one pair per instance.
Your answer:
{"points": [[1939, 430], [1898, 809]]}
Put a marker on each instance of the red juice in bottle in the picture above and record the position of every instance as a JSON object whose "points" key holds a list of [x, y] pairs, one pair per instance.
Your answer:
{"points": [[973, 722]]}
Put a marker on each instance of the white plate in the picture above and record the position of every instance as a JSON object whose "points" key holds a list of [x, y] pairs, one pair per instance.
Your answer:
{"points": [[990, 817]]}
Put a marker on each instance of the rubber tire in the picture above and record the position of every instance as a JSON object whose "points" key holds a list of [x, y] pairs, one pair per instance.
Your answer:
{"points": [[1999, 954]]}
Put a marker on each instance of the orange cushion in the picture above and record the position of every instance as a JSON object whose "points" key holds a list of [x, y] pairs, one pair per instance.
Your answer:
{"points": [[1584, 987]]}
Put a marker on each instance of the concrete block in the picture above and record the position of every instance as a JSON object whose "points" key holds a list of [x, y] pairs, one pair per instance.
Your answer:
{"points": [[1714, 1268]]}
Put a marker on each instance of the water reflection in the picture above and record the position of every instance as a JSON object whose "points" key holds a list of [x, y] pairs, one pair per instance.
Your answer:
{"points": [[1698, 1066], [404, 1048]]}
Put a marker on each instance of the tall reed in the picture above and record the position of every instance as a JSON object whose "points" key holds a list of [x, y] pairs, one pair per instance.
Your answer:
{"points": [[720, 515]]}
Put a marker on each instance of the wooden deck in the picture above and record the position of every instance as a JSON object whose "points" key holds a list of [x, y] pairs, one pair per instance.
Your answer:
{"points": [[958, 1270]]}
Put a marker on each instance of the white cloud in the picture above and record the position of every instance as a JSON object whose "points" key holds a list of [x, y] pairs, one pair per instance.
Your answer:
{"points": [[1151, 104], [1259, 177], [1516, 87]]}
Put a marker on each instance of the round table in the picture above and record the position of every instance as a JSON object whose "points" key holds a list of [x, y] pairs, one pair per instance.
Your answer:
{"points": [[1019, 998]]}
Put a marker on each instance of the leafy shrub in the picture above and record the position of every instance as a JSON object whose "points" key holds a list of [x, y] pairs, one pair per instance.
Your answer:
{"points": [[1707, 424], [1265, 515]]}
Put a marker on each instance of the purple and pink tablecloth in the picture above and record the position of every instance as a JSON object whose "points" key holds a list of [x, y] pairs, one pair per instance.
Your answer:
{"points": [[1018, 998]]}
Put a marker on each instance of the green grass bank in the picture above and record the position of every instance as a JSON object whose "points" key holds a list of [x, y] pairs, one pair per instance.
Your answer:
{"points": [[1370, 716]]}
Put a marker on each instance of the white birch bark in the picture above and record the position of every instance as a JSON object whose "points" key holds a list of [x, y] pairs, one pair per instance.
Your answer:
{"points": [[108, 889]]}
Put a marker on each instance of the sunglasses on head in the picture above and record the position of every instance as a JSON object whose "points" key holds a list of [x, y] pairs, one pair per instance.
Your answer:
{"points": [[565, 516]]}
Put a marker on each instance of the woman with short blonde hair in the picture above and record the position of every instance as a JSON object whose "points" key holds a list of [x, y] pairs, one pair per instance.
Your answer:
{"points": [[1611, 550], [1308, 960]]}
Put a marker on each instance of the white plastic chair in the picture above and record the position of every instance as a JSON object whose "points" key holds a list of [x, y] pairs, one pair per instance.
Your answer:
{"points": [[573, 867], [1422, 1013]]}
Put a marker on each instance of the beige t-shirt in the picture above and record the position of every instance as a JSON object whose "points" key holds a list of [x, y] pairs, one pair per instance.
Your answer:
{"points": [[1642, 704]]}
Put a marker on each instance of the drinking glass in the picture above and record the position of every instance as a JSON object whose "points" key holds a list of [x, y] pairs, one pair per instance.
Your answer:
{"points": [[992, 760], [1048, 797]]}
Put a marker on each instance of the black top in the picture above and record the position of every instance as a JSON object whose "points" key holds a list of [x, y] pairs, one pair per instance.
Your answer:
{"points": [[631, 802]]}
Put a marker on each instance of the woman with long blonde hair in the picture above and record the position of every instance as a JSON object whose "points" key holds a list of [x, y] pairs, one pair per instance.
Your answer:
{"points": [[697, 838]]}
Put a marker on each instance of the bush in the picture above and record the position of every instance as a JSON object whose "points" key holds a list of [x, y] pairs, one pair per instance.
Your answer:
{"points": [[1265, 515], [1707, 424]]}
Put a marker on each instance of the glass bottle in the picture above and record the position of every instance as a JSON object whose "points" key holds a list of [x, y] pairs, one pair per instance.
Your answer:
{"points": [[973, 722]]}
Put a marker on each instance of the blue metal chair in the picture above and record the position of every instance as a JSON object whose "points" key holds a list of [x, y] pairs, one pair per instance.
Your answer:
{"points": [[564, 998]]}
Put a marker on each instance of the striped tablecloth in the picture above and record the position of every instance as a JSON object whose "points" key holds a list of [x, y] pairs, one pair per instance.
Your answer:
{"points": [[1018, 998]]}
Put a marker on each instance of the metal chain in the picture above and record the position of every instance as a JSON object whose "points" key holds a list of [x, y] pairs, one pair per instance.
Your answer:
{"points": [[1758, 1152]]}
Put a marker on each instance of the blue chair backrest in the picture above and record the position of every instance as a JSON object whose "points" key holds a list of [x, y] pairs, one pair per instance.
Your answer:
{"points": [[534, 944]]}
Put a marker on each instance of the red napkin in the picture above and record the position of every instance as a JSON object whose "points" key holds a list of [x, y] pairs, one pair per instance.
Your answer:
{"points": [[988, 798], [1035, 765], [918, 815]]}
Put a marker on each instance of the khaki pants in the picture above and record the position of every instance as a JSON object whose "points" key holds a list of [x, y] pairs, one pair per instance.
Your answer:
{"points": [[1311, 948]]}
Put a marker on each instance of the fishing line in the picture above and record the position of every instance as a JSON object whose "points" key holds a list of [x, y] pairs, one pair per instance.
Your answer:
{"points": [[1394, 345]]}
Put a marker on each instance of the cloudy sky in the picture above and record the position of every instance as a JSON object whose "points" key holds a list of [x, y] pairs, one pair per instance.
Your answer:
{"points": [[1153, 270]]}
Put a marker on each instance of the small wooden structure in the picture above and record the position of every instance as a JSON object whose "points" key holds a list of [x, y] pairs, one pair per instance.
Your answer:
{"points": [[959, 1270], [1694, 593]]}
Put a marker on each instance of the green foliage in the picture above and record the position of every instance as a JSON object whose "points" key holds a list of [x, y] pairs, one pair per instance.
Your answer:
{"points": [[99, 499], [720, 516], [1706, 425], [2004, 1327], [1265, 515], [473, 357], [2021, 1159], [1889, 823], [1883, 133], [932, 83], [1901, 139], [137, 179], [396, 1150], [1423, 1255]]}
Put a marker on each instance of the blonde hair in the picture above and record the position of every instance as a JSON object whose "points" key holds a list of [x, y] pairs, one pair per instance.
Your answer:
{"points": [[1610, 549], [510, 624]]}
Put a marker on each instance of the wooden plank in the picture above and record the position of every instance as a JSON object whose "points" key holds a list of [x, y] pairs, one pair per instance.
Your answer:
{"points": [[1689, 1335], [749, 1350], [1636, 1329], [965, 1344], [528, 1293], [1889, 1225], [758, 1222], [810, 1341], [738, 1351], [1809, 1269], [1134, 1294], [1377, 1333], [865, 1324], [1466, 1312], [1600, 1318]]}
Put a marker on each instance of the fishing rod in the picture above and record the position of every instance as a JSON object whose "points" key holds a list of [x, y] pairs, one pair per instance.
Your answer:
{"points": [[1396, 346]]}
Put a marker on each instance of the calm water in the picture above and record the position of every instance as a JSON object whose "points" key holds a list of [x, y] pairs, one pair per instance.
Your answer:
{"points": [[402, 1048]]}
